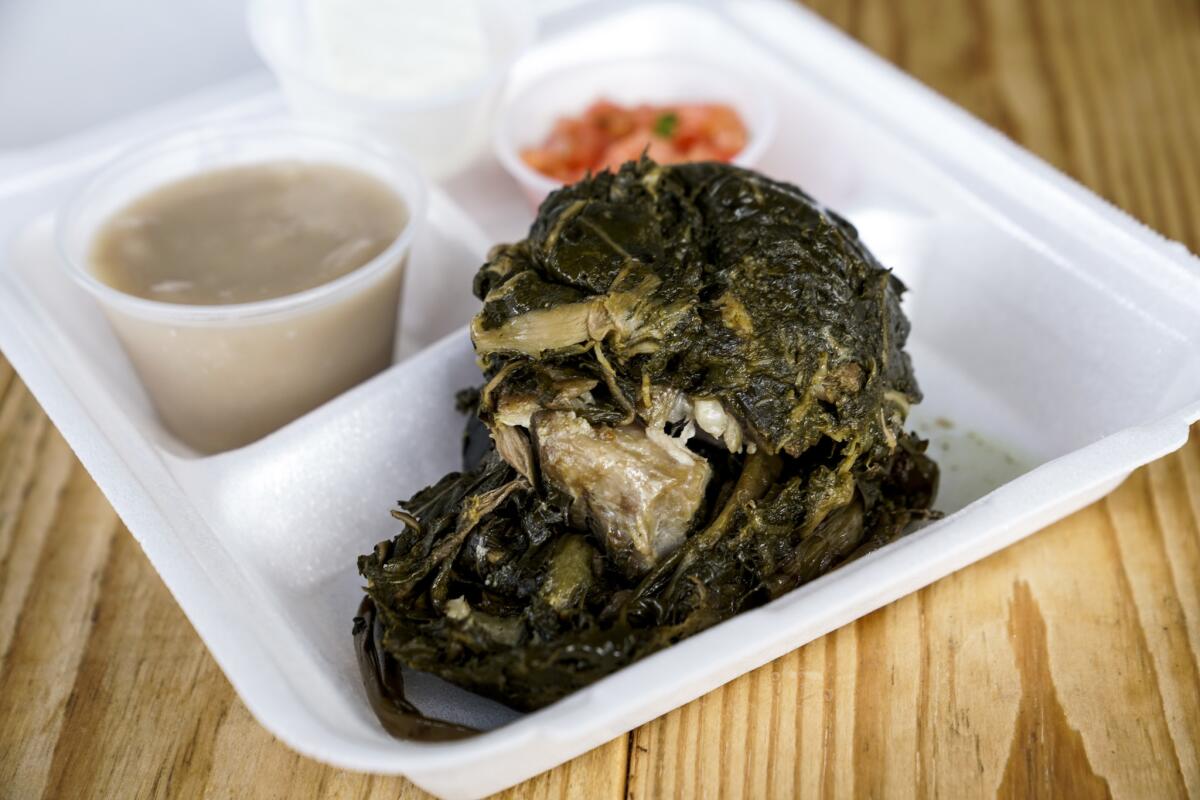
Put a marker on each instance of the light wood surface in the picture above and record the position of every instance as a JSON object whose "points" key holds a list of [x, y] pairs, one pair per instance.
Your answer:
{"points": [[1067, 665]]}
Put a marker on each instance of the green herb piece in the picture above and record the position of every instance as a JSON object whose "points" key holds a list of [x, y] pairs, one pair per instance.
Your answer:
{"points": [[666, 124]]}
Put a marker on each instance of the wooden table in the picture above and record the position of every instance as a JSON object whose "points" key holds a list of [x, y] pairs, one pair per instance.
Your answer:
{"points": [[1066, 665]]}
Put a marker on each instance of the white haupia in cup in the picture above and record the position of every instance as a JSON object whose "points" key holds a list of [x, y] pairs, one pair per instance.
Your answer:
{"points": [[221, 376], [424, 76]]}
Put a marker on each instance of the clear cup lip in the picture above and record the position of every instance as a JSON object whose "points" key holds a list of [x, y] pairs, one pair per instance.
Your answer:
{"points": [[761, 128], [520, 13], [182, 139]]}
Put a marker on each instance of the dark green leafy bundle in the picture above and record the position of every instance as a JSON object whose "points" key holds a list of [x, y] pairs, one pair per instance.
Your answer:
{"points": [[695, 391]]}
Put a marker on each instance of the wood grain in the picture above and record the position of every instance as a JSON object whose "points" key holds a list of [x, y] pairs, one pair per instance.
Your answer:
{"points": [[1067, 665]]}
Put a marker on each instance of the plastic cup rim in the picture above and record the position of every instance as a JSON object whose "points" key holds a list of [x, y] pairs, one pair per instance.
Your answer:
{"points": [[415, 199]]}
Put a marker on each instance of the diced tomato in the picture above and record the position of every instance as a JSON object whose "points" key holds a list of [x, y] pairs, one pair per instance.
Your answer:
{"points": [[631, 147], [607, 135]]}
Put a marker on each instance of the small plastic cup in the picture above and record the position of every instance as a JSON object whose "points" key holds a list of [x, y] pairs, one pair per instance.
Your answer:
{"points": [[222, 376], [443, 130], [528, 116]]}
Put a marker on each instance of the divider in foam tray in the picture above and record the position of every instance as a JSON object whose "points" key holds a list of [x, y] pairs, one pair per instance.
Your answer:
{"points": [[1057, 343]]}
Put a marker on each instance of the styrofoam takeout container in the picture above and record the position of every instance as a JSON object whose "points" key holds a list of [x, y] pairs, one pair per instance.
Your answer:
{"points": [[1060, 337]]}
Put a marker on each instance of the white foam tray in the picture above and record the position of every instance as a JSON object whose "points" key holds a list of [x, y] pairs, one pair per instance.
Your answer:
{"points": [[1060, 338]]}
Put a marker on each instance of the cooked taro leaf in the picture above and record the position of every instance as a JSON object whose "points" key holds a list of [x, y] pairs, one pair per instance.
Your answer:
{"points": [[695, 388]]}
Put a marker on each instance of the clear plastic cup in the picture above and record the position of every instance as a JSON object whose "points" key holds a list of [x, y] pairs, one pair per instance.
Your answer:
{"points": [[528, 116], [442, 130], [221, 376]]}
